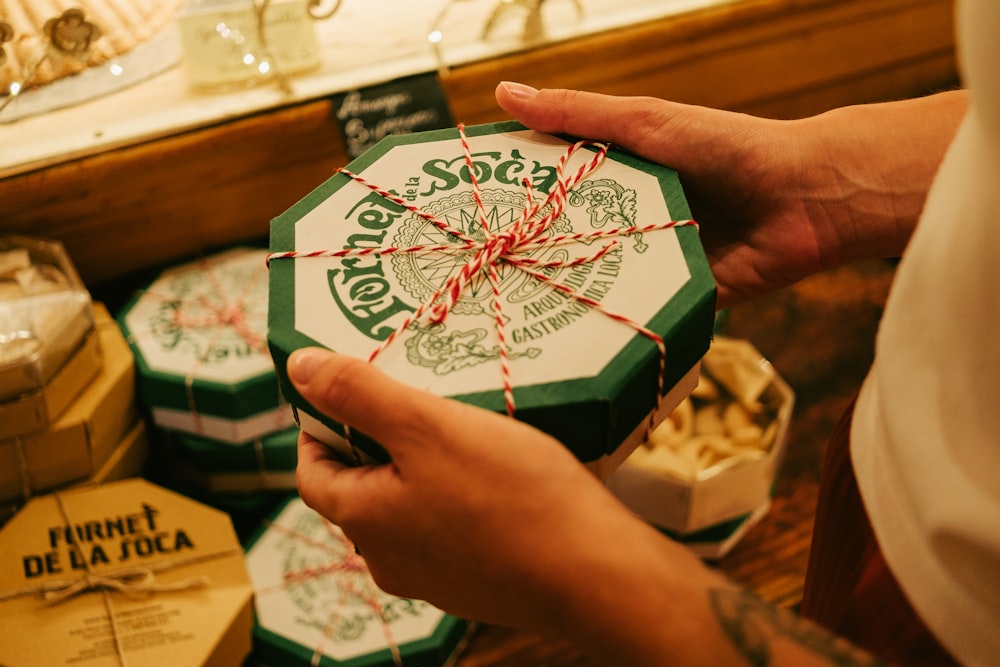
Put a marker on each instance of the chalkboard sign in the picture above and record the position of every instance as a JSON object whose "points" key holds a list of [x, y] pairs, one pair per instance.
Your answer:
{"points": [[411, 104]]}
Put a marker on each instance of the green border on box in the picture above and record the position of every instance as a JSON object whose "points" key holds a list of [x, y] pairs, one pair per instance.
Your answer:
{"points": [[278, 452]]}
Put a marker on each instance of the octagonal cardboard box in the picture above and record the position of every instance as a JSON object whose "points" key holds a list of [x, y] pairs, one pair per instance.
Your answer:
{"points": [[198, 332], [732, 486], [316, 603], [359, 263], [122, 573]]}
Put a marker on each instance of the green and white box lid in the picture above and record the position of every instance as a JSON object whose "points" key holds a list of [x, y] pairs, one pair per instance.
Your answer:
{"points": [[591, 251], [198, 333], [316, 603]]}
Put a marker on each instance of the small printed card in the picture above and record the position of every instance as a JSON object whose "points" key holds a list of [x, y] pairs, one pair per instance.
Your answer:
{"points": [[199, 336], [403, 106]]}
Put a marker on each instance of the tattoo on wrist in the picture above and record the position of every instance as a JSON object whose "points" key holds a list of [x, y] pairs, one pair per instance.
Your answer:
{"points": [[752, 624]]}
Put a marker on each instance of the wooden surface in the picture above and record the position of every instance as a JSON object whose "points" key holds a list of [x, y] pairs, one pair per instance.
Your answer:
{"points": [[172, 197], [819, 335]]}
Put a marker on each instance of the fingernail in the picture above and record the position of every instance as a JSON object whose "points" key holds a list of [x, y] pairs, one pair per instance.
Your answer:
{"points": [[519, 90], [302, 364]]}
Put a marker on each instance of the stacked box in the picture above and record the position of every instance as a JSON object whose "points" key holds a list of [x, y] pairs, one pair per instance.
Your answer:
{"points": [[45, 315], [122, 573], [40, 408], [556, 289], [705, 476], [96, 426], [262, 465], [198, 333], [317, 605], [127, 460]]}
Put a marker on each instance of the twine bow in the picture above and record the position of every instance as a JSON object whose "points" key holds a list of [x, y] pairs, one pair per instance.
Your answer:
{"points": [[530, 232], [135, 582]]}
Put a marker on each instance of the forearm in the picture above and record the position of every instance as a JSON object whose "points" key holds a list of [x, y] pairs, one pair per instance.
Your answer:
{"points": [[869, 169], [652, 603]]}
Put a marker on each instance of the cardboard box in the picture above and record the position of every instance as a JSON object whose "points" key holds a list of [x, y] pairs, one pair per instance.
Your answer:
{"points": [[222, 41], [316, 604], [87, 432], [185, 597], [715, 542], [727, 486], [45, 314], [198, 333], [127, 460], [40, 408], [577, 372], [264, 464]]}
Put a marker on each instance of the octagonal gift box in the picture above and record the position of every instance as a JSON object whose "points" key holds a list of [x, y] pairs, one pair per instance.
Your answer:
{"points": [[557, 281], [198, 333], [120, 573], [316, 603]]}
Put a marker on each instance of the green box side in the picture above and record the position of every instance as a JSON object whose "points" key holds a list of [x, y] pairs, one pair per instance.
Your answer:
{"points": [[271, 649], [711, 534], [278, 452]]}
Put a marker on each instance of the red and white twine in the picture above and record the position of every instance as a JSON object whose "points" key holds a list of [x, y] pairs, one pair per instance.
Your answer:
{"points": [[351, 578], [510, 245]]}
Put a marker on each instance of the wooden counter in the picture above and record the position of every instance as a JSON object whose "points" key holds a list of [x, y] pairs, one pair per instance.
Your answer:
{"points": [[153, 202]]}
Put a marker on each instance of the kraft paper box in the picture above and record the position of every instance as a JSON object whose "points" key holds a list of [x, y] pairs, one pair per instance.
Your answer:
{"points": [[317, 605], [357, 271], [264, 464], [699, 469], [198, 333], [128, 459], [123, 573], [84, 436], [45, 313], [222, 41], [40, 408]]}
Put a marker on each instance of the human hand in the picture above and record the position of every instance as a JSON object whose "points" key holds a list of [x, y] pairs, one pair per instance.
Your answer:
{"points": [[776, 200], [478, 513], [494, 521]]}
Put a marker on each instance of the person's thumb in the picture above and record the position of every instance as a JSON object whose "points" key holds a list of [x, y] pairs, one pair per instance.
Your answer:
{"points": [[359, 395]]}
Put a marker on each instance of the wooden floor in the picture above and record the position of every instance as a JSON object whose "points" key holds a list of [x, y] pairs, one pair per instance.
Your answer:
{"points": [[819, 335]]}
